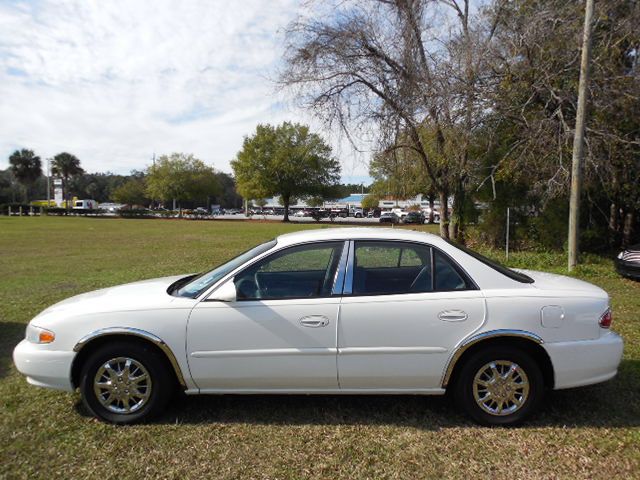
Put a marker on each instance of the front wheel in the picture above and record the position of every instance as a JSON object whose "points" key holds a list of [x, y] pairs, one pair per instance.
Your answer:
{"points": [[125, 383], [499, 386]]}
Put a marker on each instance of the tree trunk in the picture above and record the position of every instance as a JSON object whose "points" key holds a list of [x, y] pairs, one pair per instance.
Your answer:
{"points": [[456, 227], [285, 200], [444, 214], [627, 230], [65, 192], [431, 197], [613, 224]]}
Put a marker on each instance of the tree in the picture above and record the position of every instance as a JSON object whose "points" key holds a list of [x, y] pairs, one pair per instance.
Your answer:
{"points": [[370, 201], [67, 166], [228, 196], [131, 192], [390, 64], [287, 160], [534, 110], [26, 167], [181, 177]]}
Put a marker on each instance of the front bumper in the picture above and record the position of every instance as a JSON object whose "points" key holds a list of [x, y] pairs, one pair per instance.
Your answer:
{"points": [[585, 362], [44, 367]]}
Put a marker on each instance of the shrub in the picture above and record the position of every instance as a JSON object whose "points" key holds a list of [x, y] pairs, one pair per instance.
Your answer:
{"points": [[135, 213]]}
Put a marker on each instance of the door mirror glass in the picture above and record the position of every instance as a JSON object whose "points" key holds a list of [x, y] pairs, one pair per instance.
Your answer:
{"points": [[224, 293]]}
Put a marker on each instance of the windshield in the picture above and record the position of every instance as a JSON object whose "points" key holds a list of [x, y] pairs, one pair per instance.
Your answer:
{"points": [[203, 281], [512, 274]]}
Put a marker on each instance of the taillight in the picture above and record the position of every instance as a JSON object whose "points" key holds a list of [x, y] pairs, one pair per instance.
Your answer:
{"points": [[606, 318]]}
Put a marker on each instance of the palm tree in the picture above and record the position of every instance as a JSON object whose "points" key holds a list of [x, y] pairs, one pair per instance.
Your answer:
{"points": [[26, 168], [66, 165]]}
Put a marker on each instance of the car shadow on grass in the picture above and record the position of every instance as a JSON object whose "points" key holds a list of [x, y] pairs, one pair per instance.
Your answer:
{"points": [[10, 334], [614, 404]]}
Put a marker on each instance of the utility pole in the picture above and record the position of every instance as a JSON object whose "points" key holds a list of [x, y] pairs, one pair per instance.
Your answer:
{"points": [[578, 139]]}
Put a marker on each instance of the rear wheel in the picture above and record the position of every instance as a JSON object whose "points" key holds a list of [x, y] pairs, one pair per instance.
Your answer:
{"points": [[499, 386], [125, 383]]}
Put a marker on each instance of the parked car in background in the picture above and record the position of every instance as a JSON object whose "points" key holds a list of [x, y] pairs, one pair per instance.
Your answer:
{"points": [[389, 217], [413, 217], [628, 262], [436, 214], [110, 207], [201, 211], [328, 311], [399, 212]]}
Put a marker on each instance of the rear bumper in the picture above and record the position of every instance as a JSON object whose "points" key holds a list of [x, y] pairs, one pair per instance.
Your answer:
{"points": [[586, 362], [628, 269], [43, 367]]}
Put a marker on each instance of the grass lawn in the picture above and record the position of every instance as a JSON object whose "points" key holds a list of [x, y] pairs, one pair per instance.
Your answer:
{"points": [[584, 433]]}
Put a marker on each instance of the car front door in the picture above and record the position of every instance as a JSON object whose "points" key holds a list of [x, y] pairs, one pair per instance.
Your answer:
{"points": [[280, 333], [405, 306]]}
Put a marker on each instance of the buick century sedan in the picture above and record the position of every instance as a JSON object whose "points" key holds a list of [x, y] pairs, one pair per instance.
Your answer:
{"points": [[330, 311]]}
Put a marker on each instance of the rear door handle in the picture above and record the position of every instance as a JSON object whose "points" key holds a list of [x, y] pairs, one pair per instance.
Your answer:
{"points": [[453, 316], [314, 321]]}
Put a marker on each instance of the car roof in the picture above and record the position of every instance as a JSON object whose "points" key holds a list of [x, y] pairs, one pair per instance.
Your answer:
{"points": [[368, 233]]}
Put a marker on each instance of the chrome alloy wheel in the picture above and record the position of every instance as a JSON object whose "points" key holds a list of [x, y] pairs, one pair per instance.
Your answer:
{"points": [[501, 387], [122, 385]]}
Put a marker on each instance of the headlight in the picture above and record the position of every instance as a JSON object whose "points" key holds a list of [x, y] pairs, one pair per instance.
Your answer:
{"points": [[39, 335]]}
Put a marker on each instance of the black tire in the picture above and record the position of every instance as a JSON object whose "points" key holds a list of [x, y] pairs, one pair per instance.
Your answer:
{"points": [[464, 386], [162, 383]]}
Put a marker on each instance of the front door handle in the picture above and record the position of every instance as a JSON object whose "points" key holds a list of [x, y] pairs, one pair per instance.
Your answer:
{"points": [[453, 316], [314, 321]]}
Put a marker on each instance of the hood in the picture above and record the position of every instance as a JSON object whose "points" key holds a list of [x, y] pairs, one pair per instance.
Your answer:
{"points": [[143, 295], [561, 283]]}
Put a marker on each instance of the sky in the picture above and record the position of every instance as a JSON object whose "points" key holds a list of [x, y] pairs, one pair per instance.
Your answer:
{"points": [[115, 82]]}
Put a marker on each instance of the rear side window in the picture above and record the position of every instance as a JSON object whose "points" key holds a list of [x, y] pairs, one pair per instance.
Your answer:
{"points": [[447, 277], [388, 267], [384, 268]]}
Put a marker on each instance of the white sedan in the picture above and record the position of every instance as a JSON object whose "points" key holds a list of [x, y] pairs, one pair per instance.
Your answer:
{"points": [[333, 311]]}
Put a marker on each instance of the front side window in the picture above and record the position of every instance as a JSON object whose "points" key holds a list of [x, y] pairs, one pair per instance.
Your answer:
{"points": [[304, 271], [197, 284], [383, 268]]}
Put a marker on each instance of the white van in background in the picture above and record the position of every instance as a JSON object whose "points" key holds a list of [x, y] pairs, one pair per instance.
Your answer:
{"points": [[85, 205]]}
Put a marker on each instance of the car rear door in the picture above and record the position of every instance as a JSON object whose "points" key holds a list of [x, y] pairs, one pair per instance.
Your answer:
{"points": [[405, 306]]}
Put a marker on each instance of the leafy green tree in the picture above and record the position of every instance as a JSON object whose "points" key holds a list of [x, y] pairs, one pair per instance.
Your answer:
{"points": [[131, 192], [26, 167], [181, 177], [227, 196], [67, 166], [370, 201], [287, 160]]}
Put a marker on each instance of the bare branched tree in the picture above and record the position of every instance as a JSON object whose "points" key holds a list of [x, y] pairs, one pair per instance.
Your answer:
{"points": [[399, 67]]}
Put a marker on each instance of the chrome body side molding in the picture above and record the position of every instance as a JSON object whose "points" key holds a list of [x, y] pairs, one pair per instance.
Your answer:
{"points": [[469, 342], [135, 332]]}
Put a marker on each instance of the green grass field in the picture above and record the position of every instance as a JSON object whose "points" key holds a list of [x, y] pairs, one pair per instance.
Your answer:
{"points": [[584, 433]]}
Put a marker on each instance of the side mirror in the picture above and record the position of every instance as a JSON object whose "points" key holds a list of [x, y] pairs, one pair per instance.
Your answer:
{"points": [[225, 292]]}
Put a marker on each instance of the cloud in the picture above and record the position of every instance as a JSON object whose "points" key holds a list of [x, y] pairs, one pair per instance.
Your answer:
{"points": [[114, 82]]}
